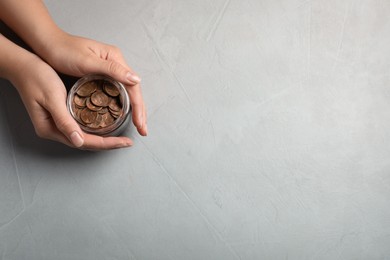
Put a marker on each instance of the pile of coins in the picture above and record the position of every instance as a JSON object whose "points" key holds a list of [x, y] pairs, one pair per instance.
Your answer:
{"points": [[96, 104]]}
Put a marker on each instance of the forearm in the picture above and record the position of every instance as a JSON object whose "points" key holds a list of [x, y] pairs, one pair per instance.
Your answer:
{"points": [[32, 22], [13, 59]]}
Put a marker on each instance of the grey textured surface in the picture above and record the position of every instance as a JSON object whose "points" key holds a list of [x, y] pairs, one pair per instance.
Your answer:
{"points": [[269, 138]]}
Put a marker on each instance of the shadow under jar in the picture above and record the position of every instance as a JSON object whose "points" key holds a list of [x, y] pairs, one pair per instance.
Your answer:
{"points": [[100, 105]]}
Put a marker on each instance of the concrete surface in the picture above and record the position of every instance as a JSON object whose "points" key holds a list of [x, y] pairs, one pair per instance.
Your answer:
{"points": [[269, 138]]}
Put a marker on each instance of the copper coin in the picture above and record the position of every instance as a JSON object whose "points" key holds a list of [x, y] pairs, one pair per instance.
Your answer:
{"points": [[108, 119], [99, 98], [76, 111], [97, 122], [114, 105], [102, 124], [79, 101], [87, 89], [110, 89], [88, 116], [92, 106], [99, 84], [116, 113], [103, 110]]}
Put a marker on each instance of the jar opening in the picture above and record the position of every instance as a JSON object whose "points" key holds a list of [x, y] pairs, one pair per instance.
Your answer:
{"points": [[99, 104]]}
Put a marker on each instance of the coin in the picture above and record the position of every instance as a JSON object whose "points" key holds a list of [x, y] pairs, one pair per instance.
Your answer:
{"points": [[110, 89], [88, 116], [97, 122], [77, 111], [87, 89], [114, 105], [80, 101], [99, 98], [103, 110], [108, 119], [116, 115], [97, 104], [92, 106]]}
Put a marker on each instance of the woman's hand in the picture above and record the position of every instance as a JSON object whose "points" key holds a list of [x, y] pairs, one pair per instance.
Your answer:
{"points": [[79, 56], [44, 97], [42, 91]]}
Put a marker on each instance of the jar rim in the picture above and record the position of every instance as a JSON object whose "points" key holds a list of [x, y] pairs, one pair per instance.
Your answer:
{"points": [[124, 98]]}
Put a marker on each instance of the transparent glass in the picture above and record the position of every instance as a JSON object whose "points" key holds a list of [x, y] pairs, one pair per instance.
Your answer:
{"points": [[119, 124]]}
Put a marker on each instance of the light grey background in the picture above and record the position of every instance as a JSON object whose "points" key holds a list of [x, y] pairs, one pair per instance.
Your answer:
{"points": [[269, 138]]}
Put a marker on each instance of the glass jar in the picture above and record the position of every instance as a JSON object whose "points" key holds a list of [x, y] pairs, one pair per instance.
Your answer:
{"points": [[100, 105]]}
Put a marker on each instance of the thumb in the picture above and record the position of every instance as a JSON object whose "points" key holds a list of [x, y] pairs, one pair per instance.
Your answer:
{"points": [[67, 125], [113, 69]]}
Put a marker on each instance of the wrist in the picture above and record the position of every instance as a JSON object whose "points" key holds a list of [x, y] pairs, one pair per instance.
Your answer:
{"points": [[20, 70], [47, 47]]}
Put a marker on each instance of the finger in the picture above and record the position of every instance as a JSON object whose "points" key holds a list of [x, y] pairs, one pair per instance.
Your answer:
{"points": [[65, 123], [113, 69], [137, 105], [49, 131], [118, 57], [91, 142], [94, 142], [139, 111], [144, 129], [45, 127]]}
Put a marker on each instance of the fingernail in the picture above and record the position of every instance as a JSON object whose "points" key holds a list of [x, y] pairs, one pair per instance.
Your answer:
{"points": [[125, 144], [133, 78], [76, 139]]}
